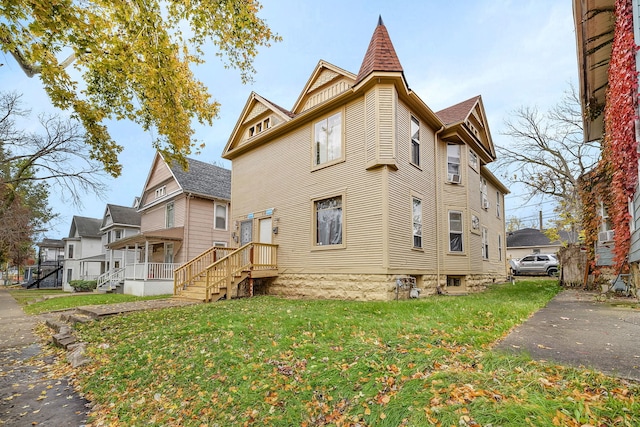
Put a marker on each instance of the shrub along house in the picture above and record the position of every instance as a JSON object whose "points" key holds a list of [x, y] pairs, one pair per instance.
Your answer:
{"points": [[182, 214], [364, 189]]}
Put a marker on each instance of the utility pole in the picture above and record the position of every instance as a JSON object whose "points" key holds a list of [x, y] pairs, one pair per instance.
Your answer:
{"points": [[540, 214]]}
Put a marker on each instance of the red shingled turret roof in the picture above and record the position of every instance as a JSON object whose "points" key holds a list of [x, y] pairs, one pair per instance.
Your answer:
{"points": [[380, 56]]}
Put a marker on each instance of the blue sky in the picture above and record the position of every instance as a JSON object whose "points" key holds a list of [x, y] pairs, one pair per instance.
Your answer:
{"points": [[512, 52]]}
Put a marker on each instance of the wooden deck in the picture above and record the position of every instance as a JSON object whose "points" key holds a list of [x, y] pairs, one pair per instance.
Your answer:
{"points": [[217, 272]]}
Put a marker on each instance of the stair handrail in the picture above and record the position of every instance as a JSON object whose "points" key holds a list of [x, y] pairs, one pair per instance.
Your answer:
{"points": [[186, 273], [111, 275], [226, 268]]}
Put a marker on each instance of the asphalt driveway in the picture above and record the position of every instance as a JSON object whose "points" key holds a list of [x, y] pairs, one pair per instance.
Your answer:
{"points": [[576, 330]]}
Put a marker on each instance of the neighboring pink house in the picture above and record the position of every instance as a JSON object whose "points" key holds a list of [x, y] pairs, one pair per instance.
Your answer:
{"points": [[182, 214]]}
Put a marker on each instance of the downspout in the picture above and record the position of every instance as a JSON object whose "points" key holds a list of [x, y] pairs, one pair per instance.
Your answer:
{"points": [[438, 181], [186, 229]]}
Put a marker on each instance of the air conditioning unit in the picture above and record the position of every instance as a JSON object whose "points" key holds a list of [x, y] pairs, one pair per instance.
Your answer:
{"points": [[455, 178], [485, 202], [606, 236]]}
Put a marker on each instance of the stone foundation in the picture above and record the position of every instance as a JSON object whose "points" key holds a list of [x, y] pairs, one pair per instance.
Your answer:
{"points": [[366, 287]]}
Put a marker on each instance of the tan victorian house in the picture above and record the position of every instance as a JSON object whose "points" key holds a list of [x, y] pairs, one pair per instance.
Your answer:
{"points": [[365, 191]]}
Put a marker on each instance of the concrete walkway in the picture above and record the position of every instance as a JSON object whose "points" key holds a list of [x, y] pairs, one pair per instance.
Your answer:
{"points": [[96, 311], [576, 330], [28, 396]]}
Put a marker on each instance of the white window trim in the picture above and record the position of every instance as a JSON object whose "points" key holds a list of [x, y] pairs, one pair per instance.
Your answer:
{"points": [[220, 244], [161, 191], [226, 216], [166, 215], [484, 198], [485, 243], [451, 177]]}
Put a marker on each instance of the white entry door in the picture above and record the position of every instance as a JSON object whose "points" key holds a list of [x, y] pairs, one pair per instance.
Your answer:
{"points": [[264, 254], [265, 230]]}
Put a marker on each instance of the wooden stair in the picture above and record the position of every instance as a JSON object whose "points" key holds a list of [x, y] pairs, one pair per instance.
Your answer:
{"points": [[209, 278]]}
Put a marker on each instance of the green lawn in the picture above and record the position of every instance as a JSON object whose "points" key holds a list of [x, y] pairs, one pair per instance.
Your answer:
{"points": [[266, 361], [32, 302], [29, 296]]}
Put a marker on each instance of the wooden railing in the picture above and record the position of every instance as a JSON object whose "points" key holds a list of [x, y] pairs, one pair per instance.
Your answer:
{"points": [[187, 273], [221, 272], [115, 275], [151, 270]]}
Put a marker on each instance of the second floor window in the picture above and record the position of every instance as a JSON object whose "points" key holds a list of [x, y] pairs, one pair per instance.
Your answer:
{"points": [[498, 209], [327, 142], [473, 160], [607, 232], [415, 141], [485, 243], [221, 217], [484, 200], [70, 251], [169, 216], [453, 163]]}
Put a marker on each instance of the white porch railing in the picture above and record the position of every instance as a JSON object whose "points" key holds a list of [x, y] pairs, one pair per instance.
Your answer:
{"points": [[150, 271], [110, 278]]}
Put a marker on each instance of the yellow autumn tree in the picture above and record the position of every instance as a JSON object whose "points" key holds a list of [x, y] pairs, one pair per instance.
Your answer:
{"points": [[133, 61]]}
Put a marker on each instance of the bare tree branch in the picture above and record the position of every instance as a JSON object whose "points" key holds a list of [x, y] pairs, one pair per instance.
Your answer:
{"points": [[546, 152], [58, 154]]}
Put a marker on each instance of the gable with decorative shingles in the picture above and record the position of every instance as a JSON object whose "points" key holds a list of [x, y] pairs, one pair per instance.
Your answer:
{"points": [[470, 115], [327, 81]]}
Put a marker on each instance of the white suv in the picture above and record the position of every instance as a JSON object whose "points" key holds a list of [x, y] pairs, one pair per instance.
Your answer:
{"points": [[535, 264]]}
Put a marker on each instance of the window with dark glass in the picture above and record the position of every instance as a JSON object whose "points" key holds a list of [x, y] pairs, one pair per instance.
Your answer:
{"points": [[415, 141], [455, 231], [169, 216], [417, 223]]}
